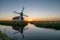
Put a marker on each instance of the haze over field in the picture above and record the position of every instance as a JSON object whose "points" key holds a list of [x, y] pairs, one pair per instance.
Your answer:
{"points": [[35, 9]]}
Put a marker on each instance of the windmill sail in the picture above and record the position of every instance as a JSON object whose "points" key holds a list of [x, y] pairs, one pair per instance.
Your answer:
{"points": [[22, 9], [21, 15]]}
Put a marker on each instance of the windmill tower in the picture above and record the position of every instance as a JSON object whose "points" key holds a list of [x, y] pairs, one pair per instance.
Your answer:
{"points": [[21, 17]]}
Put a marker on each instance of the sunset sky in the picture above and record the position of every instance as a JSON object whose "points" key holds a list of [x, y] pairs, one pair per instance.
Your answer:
{"points": [[35, 9]]}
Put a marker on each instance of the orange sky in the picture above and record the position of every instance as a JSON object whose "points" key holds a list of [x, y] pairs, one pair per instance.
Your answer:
{"points": [[43, 19], [43, 9], [32, 19]]}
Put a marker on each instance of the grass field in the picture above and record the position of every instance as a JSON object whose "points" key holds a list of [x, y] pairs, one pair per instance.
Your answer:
{"points": [[43, 24], [47, 24]]}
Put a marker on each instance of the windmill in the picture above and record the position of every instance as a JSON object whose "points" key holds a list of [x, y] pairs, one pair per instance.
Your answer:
{"points": [[21, 17]]}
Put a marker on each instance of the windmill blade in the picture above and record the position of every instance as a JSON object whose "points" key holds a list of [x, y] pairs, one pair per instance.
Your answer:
{"points": [[25, 15], [16, 12], [22, 9]]}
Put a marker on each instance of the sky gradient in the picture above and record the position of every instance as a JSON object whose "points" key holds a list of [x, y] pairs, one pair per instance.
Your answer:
{"points": [[35, 9]]}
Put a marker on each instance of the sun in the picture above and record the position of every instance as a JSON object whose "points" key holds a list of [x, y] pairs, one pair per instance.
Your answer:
{"points": [[29, 19]]}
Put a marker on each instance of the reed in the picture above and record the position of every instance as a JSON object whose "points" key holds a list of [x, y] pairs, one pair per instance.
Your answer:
{"points": [[48, 24], [43, 24]]}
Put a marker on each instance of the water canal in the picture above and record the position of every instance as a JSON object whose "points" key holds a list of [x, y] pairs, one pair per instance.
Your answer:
{"points": [[32, 33]]}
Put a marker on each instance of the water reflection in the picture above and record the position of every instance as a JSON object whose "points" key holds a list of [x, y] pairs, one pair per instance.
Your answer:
{"points": [[20, 28], [33, 33]]}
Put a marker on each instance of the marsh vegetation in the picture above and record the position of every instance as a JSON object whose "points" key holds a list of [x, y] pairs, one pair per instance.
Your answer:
{"points": [[43, 24]]}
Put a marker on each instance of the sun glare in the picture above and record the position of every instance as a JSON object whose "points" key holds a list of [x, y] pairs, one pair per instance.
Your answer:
{"points": [[29, 19]]}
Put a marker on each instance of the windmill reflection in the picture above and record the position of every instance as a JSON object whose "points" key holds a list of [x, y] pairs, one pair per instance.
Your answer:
{"points": [[20, 28]]}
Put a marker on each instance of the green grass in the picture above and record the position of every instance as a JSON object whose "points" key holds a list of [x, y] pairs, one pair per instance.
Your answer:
{"points": [[4, 36], [48, 24], [43, 24], [15, 24]]}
